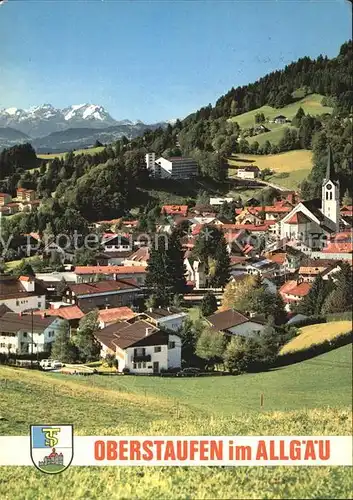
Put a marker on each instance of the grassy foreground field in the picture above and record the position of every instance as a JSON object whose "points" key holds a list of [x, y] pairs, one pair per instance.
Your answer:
{"points": [[316, 334], [312, 397], [296, 165]]}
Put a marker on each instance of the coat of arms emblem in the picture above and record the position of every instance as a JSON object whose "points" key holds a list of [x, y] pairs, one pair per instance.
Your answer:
{"points": [[52, 447]]}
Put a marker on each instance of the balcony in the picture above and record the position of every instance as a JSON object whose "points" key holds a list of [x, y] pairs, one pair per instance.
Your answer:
{"points": [[141, 358]]}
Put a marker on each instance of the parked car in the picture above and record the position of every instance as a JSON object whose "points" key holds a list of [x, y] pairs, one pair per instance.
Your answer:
{"points": [[189, 372], [50, 364]]}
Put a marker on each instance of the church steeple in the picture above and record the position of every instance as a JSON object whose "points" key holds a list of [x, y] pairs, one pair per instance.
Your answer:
{"points": [[330, 169], [330, 198]]}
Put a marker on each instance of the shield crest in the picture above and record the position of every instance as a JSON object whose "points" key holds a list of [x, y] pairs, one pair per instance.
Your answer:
{"points": [[52, 447]]}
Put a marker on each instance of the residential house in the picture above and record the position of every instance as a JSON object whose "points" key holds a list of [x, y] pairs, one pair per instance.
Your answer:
{"points": [[27, 334], [140, 347], [21, 294], [90, 274], [220, 201], [102, 294], [71, 314], [107, 317], [293, 291], [5, 198], [172, 210], [311, 268], [232, 322], [195, 271], [138, 258], [280, 119], [170, 319], [249, 172], [23, 194], [112, 242]]}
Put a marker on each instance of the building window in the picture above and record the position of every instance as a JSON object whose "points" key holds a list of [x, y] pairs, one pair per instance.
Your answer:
{"points": [[25, 334], [39, 305], [134, 366], [157, 348], [171, 345], [17, 302]]}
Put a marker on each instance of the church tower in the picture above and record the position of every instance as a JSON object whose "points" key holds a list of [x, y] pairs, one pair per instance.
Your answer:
{"points": [[330, 197]]}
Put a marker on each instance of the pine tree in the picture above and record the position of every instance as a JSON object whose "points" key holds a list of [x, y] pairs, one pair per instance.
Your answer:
{"points": [[222, 269], [175, 267], [340, 298], [87, 346], [157, 279], [63, 349], [208, 304]]}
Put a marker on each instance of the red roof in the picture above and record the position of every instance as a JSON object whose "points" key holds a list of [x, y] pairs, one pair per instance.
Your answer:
{"points": [[25, 278], [115, 314], [65, 312], [292, 287], [298, 218], [339, 247], [175, 209], [249, 227], [81, 270], [278, 258]]}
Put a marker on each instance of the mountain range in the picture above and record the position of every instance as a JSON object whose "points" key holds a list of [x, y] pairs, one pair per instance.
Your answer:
{"points": [[74, 127]]}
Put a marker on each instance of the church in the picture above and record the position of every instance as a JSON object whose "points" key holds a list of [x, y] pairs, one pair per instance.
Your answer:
{"points": [[311, 222]]}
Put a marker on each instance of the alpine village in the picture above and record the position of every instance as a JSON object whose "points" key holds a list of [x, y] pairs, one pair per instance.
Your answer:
{"points": [[218, 244]]}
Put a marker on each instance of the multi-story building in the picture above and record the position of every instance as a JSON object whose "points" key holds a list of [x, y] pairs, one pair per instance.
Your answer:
{"points": [[20, 294], [174, 167], [102, 294], [26, 333], [140, 347]]}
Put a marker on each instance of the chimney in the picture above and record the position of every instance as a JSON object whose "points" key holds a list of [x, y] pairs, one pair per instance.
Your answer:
{"points": [[148, 331], [43, 315], [151, 309], [168, 308]]}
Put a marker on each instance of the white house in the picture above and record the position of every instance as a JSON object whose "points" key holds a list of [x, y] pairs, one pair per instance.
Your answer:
{"points": [[232, 322], [250, 172], [170, 318], [140, 347], [220, 201], [16, 333], [21, 294]]}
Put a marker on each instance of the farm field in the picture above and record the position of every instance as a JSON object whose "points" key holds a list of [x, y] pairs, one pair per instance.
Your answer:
{"points": [[88, 151], [295, 164], [311, 104], [312, 397], [316, 334]]}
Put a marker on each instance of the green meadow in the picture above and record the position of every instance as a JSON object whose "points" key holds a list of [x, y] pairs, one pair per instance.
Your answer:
{"points": [[312, 397]]}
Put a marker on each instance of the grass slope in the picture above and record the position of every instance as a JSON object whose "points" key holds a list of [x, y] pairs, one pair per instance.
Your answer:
{"points": [[316, 334], [311, 104], [163, 406], [296, 165], [88, 151]]}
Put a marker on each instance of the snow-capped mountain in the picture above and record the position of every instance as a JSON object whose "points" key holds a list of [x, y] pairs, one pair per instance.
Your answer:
{"points": [[39, 121]]}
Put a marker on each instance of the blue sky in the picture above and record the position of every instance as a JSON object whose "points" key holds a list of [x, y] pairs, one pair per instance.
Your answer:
{"points": [[154, 60]]}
